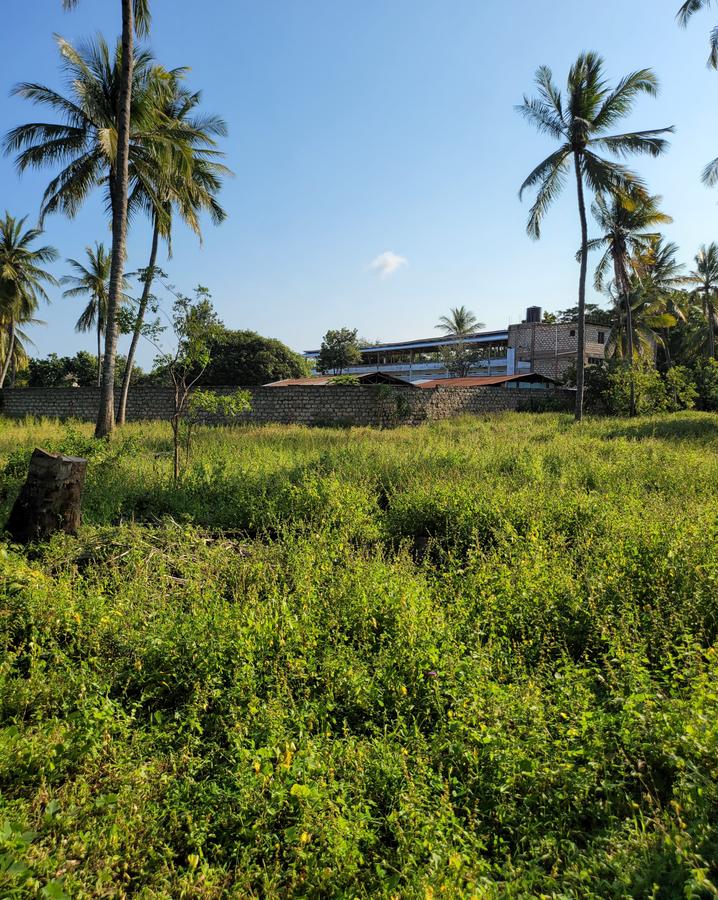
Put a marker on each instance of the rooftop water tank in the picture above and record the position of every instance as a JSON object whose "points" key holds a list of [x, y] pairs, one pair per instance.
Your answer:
{"points": [[533, 314]]}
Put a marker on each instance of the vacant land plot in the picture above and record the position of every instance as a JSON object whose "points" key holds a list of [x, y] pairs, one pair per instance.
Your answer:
{"points": [[470, 659]]}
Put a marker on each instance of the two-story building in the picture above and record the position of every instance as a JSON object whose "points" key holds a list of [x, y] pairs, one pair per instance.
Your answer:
{"points": [[532, 346]]}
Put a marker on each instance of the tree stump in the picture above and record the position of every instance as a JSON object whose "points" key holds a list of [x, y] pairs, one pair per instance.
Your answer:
{"points": [[50, 499]]}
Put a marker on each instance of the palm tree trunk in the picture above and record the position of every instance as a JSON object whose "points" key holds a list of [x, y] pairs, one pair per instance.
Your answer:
{"points": [[623, 284], [118, 193], [581, 350], [144, 301], [710, 311], [10, 351], [629, 347], [99, 351]]}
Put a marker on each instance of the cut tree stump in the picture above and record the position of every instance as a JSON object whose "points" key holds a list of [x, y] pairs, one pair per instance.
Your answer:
{"points": [[50, 499]]}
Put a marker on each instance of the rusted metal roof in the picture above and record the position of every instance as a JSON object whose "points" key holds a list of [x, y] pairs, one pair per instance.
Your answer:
{"points": [[486, 381], [323, 380], [317, 381]]}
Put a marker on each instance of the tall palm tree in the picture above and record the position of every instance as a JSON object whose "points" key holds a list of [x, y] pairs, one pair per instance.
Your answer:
{"points": [[135, 17], [85, 143], [460, 322], [92, 280], [185, 177], [705, 277], [687, 10], [627, 226], [22, 280], [580, 123]]}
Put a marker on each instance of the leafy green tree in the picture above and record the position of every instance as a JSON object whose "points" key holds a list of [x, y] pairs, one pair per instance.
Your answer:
{"points": [[641, 385], [185, 176], [339, 350], [460, 322], [135, 17], [580, 123], [194, 326], [460, 359], [65, 371], [593, 312], [681, 391], [705, 278], [247, 358], [705, 375], [22, 282], [91, 279]]}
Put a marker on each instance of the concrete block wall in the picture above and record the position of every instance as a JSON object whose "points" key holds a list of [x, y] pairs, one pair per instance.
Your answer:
{"points": [[300, 405], [551, 349]]}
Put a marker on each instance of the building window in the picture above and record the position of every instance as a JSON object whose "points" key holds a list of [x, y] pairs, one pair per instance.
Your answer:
{"points": [[572, 332], [601, 337]]}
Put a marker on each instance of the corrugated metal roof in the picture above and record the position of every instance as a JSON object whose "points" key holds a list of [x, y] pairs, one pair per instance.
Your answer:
{"points": [[322, 380], [479, 337], [485, 381], [291, 382]]}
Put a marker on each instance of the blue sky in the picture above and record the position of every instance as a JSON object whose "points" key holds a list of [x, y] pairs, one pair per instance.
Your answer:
{"points": [[359, 129]]}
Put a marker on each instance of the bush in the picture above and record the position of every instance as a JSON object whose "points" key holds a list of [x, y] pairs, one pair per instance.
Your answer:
{"points": [[681, 391], [607, 388], [705, 374], [650, 389]]}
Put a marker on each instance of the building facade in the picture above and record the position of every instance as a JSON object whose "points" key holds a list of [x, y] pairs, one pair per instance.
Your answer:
{"points": [[532, 346], [551, 349]]}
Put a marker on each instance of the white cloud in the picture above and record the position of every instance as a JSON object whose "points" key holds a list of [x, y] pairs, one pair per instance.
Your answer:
{"points": [[388, 263]]}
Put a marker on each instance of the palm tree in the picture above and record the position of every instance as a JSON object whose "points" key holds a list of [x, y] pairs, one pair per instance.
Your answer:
{"points": [[91, 280], [650, 320], [135, 16], [687, 10], [580, 123], [661, 276], [186, 176], [705, 277], [459, 323], [19, 356], [627, 233], [86, 143], [21, 281]]}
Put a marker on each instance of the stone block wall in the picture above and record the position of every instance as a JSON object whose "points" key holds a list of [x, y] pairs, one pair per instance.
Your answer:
{"points": [[297, 405]]}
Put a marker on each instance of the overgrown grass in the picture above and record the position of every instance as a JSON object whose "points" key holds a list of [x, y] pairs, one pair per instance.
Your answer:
{"points": [[473, 659]]}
